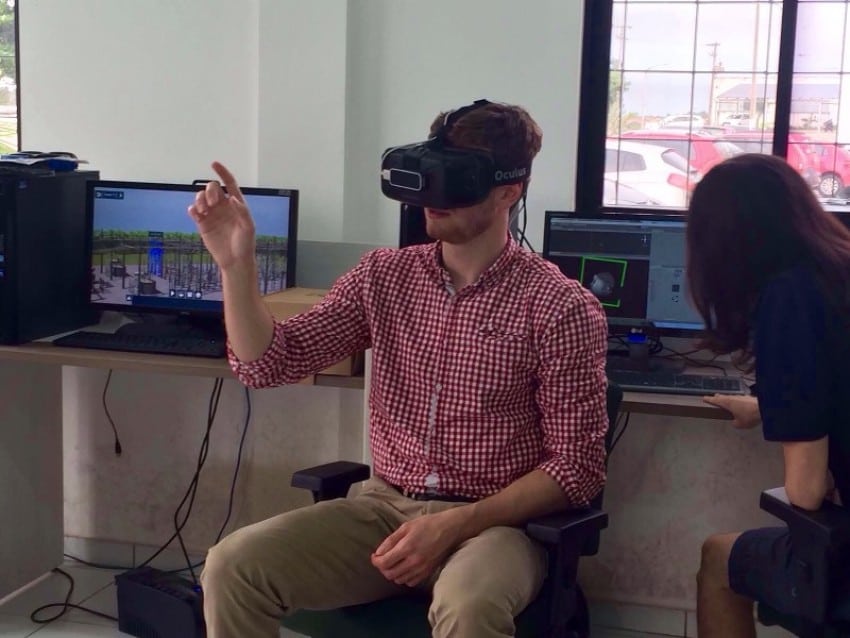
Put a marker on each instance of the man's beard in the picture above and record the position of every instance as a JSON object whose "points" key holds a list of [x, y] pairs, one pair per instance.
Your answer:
{"points": [[457, 233]]}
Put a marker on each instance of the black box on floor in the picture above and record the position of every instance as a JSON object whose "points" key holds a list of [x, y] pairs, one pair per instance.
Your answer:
{"points": [[156, 604], [44, 275]]}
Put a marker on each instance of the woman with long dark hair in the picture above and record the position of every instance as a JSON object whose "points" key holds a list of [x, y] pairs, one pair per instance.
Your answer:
{"points": [[769, 271]]}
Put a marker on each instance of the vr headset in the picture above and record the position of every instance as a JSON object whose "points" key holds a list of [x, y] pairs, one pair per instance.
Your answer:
{"points": [[433, 174]]}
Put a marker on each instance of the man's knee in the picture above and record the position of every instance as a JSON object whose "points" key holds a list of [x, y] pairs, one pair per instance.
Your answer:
{"points": [[714, 564], [223, 562], [466, 612], [235, 562]]}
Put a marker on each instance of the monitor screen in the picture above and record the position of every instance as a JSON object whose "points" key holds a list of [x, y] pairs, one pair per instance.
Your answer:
{"points": [[147, 255], [635, 265]]}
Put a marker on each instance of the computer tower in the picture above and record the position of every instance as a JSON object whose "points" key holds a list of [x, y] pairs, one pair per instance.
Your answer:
{"points": [[44, 274]]}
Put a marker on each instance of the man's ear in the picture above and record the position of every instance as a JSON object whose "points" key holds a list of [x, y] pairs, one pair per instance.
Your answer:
{"points": [[509, 194]]}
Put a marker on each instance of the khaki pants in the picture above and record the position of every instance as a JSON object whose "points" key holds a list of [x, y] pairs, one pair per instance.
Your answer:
{"points": [[318, 557]]}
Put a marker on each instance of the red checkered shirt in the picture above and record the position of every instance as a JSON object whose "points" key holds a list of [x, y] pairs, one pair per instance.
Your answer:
{"points": [[470, 390]]}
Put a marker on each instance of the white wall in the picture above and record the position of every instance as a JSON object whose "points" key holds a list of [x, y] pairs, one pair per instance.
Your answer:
{"points": [[302, 108], [143, 90], [409, 60]]}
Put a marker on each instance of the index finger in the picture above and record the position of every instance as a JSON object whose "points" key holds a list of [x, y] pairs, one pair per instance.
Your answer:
{"points": [[228, 180], [717, 400]]}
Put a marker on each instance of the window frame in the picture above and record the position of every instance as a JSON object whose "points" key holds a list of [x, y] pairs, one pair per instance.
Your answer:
{"points": [[18, 68], [593, 103]]}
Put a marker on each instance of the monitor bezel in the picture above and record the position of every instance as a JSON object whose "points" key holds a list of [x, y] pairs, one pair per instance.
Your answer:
{"points": [[648, 327], [292, 241]]}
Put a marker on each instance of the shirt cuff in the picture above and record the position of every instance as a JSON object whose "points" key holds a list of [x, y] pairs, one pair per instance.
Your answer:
{"points": [[258, 373], [579, 490]]}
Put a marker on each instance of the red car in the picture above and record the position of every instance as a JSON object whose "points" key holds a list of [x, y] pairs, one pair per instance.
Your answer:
{"points": [[703, 150], [802, 154], [834, 170]]}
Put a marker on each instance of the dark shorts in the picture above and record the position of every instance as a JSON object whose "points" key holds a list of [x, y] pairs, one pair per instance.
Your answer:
{"points": [[762, 567]]}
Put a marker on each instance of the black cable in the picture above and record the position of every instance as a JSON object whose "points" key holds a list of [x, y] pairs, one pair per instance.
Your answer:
{"points": [[192, 489], [108, 415], [125, 568], [66, 605], [233, 482], [238, 463], [202, 457], [523, 236], [696, 363], [620, 433], [87, 563]]}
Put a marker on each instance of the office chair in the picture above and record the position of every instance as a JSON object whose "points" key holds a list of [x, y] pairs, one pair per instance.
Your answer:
{"points": [[559, 611], [822, 540]]}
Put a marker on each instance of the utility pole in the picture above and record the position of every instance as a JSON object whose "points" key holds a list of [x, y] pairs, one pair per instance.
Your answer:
{"points": [[753, 85], [713, 46], [615, 114]]}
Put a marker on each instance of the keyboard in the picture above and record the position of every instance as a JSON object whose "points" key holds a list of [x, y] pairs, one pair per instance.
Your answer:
{"points": [[676, 383], [155, 344]]}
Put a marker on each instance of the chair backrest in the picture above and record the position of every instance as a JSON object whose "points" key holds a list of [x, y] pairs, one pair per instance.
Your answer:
{"points": [[613, 399]]}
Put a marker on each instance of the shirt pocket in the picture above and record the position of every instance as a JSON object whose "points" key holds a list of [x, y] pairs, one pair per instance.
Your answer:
{"points": [[503, 362]]}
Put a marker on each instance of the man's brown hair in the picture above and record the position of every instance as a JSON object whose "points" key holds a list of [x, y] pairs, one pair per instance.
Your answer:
{"points": [[506, 131]]}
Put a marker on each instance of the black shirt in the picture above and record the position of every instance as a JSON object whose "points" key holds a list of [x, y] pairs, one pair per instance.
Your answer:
{"points": [[802, 344]]}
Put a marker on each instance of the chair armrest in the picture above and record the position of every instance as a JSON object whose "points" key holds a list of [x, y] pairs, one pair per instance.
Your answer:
{"points": [[829, 526], [331, 480], [571, 526]]}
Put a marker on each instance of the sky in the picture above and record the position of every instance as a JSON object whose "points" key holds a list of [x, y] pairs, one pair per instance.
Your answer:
{"points": [[658, 41], [165, 210]]}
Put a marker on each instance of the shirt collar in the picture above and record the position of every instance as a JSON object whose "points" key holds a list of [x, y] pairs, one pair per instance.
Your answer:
{"points": [[491, 276]]}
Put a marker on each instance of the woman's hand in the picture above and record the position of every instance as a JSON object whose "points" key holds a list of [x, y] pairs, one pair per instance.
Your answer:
{"points": [[744, 410]]}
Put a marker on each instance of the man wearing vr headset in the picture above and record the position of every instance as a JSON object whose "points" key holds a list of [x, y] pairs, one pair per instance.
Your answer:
{"points": [[487, 404]]}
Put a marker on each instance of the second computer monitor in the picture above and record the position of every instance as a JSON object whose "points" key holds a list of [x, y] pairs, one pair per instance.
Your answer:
{"points": [[635, 265], [147, 255]]}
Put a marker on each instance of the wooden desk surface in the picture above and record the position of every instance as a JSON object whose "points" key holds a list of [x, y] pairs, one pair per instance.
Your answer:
{"points": [[45, 352], [671, 405]]}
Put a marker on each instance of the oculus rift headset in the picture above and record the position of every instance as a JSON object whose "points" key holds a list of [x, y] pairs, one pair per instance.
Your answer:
{"points": [[433, 174]]}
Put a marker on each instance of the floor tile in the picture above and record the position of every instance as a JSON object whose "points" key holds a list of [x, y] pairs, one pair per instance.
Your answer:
{"points": [[772, 632], [63, 629], [16, 627], [761, 630], [637, 618], [104, 601], [54, 588], [606, 632]]}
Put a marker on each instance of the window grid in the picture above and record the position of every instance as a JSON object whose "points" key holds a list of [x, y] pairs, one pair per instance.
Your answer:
{"points": [[716, 109]]}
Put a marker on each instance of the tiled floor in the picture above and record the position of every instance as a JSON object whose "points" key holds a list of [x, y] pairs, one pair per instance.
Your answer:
{"points": [[94, 588]]}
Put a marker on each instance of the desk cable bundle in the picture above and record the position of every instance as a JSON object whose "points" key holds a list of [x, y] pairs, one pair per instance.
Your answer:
{"points": [[154, 602]]}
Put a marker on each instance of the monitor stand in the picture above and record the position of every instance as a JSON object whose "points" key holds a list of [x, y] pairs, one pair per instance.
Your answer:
{"points": [[161, 325], [638, 358]]}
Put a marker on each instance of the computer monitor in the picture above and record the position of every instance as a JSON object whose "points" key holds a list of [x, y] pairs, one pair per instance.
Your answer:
{"points": [[148, 257], [634, 264]]}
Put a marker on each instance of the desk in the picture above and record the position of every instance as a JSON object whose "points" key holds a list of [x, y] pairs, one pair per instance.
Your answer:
{"points": [[671, 405], [31, 489]]}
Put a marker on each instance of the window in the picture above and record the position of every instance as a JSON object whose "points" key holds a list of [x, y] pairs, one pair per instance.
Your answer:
{"points": [[709, 79], [9, 140]]}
